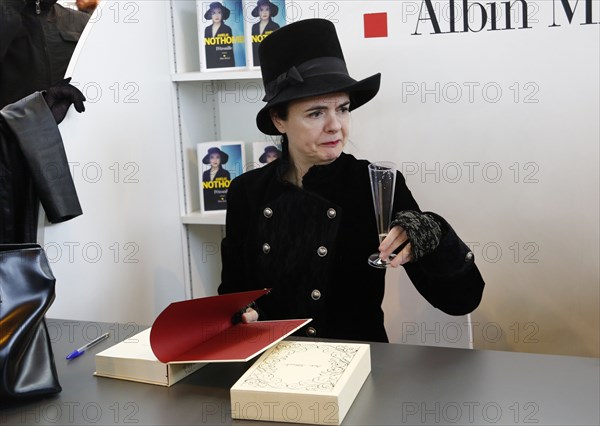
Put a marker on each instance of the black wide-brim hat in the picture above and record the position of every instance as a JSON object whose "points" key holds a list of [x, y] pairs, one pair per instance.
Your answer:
{"points": [[272, 7], [305, 59], [215, 150], [217, 5]]}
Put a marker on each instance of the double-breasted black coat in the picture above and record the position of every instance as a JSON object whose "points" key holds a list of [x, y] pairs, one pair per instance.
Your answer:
{"points": [[310, 246]]}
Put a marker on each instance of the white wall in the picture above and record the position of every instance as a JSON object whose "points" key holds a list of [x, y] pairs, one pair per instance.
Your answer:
{"points": [[122, 259], [498, 131], [515, 172]]}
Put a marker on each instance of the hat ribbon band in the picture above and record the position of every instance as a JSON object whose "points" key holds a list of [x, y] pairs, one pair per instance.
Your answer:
{"points": [[296, 75]]}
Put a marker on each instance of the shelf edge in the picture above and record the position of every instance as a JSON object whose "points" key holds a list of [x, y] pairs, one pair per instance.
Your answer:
{"points": [[197, 218], [221, 75]]}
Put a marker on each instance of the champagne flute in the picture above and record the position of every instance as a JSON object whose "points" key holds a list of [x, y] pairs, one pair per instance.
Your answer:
{"points": [[383, 183]]}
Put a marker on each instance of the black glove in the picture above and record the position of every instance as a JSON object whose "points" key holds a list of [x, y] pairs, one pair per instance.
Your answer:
{"points": [[60, 97], [423, 231]]}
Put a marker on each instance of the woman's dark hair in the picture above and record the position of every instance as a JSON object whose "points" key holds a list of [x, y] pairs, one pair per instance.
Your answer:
{"points": [[281, 111]]}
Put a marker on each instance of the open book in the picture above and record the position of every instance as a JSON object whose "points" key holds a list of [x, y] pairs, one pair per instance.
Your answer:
{"points": [[196, 331], [201, 330]]}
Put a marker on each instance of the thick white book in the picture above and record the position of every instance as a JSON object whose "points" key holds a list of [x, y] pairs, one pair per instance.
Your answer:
{"points": [[191, 333], [302, 382], [133, 359]]}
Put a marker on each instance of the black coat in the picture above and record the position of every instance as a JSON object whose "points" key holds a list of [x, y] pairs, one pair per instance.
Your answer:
{"points": [[35, 49], [33, 168], [269, 28], [215, 197], [219, 55], [311, 244], [221, 173]]}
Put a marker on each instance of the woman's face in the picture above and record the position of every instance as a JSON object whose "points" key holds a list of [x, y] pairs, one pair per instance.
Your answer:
{"points": [[217, 16], [317, 128], [214, 160], [264, 12], [271, 156]]}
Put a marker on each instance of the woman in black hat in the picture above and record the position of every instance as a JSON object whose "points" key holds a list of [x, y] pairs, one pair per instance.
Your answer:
{"points": [[304, 225], [215, 180], [216, 158], [271, 154], [265, 26], [217, 37]]}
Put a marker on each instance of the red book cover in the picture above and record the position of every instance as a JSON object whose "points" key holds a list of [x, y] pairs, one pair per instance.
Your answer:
{"points": [[201, 330]]}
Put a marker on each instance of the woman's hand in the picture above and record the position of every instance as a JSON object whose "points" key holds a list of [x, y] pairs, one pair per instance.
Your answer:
{"points": [[249, 316], [397, 237], [245, 315]]}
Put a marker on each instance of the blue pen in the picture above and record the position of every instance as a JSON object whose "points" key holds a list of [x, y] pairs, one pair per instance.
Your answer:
{"points": [[85, 347]]}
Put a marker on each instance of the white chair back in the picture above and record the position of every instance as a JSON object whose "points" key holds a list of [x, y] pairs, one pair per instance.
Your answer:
{"points": [[410, 319]]}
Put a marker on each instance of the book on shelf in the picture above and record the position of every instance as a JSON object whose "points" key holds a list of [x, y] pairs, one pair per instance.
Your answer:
{"points": [[189, 334], [302, 382], [262, 17], [263, 153], [218, 162], [221, 34]]}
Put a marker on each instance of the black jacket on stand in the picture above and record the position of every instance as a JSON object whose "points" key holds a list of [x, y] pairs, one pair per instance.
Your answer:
{"points": [[33, 168], [317, 268], [35, 48]]}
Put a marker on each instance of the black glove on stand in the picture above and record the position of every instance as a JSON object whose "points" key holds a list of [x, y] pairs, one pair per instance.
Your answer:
{"points": [[60, 97], [423, 231]]}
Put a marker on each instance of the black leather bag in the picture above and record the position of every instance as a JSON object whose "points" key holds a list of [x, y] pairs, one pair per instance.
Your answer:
{"points": [[27, 366]]}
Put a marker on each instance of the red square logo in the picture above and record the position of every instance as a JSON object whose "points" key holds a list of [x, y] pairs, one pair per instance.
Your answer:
{"points": [[375, 25]]}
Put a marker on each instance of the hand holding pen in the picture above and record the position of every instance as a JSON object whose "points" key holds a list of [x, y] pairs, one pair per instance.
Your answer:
{"points": [[85, 347]]}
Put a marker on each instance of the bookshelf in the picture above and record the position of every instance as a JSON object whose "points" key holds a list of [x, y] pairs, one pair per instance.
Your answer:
{"points": [[207, 106]]}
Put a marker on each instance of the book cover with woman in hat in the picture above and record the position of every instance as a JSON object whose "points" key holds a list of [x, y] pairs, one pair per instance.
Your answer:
{"points": [[219, 163], [221, 31], [264, 153], [262, 18]]}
